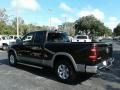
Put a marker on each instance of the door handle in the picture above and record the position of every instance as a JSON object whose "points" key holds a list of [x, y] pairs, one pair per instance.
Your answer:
{"points": [[36, 48]]}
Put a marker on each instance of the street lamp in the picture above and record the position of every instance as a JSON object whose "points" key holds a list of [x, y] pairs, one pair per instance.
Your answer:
{"points": [[50, 11]]}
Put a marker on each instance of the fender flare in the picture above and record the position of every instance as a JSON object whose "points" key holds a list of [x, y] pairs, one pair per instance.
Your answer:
{"points": [[66, 55], [13, 50]]}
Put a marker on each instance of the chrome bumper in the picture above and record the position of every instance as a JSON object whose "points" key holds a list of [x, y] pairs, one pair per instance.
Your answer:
{"points": [[96, 68]]}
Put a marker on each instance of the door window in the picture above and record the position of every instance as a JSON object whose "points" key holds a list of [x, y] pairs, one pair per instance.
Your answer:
{"points": [[39, 38], [28, 38]]}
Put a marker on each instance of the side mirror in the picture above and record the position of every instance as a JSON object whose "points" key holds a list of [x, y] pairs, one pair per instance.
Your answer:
{"points": [[18, 40]]}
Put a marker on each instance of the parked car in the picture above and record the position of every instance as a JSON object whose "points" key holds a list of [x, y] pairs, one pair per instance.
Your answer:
{"points": [[54, 50], [70, 38], [5, 41], [81, 38]]}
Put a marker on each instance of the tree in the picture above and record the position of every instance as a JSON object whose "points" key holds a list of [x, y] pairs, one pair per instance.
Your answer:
{"points": [[3, 20], [116, 30], [89, 25], [67, 27], [22, 27]]}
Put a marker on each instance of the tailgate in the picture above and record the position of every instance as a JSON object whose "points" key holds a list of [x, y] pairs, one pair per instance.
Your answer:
{"points": [[104, 51]]}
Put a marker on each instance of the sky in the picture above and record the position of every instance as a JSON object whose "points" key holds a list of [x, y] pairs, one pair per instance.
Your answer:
{"points": [[56, 12]]}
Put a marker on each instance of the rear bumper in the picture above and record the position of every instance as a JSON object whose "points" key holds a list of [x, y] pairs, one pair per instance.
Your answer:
{"points": [[100, 66], [96, 68]]}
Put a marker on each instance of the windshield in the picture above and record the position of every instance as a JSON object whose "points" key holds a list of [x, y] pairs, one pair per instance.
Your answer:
{"points": [[81, 37], [57, 37], [4, 38]]}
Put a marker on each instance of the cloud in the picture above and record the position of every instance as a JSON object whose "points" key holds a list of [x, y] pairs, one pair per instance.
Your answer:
{"points": [[55, 21], [112, 22], [90, 11], [65, 7], [70, 19], [25, 4]]}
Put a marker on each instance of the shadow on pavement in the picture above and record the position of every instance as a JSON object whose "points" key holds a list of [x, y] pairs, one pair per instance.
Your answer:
{"points": [[113, 75], [47, 72], [108, 87]]}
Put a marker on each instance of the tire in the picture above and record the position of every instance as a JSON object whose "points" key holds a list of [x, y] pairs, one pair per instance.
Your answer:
{"points": [[12, 59], [5, 47], [65, 72]]}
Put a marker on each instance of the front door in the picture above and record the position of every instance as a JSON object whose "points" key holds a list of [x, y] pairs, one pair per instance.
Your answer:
{"points": [[38, 47], [24, 49]]}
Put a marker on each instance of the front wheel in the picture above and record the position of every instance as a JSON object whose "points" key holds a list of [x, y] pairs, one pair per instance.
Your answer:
{"points": [[12, 59], [5, 47], [65, 71]]}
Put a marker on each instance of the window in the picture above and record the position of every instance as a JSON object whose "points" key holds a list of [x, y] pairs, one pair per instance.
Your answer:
{"points": [[39, 38], [28, 38], [15, 37], [81, 37], [57, 37]]}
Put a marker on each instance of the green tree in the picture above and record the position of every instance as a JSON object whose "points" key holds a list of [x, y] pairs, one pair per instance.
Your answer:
{"points": [[89, 25], [22, 27], [116, 30], [3, 20]]}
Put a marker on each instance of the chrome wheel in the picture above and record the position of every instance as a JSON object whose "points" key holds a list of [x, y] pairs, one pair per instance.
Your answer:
{"points": [[12, 59], [63, 72]]}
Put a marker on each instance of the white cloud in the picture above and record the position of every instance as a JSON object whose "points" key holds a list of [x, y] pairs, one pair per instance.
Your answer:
{"points": [[89, 11], [65, 7], [112, 22], [26, 4], [70, 19], [54, 21]]}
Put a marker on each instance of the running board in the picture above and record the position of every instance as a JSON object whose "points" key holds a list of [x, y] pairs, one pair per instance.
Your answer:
{"points": [[30, 65]]}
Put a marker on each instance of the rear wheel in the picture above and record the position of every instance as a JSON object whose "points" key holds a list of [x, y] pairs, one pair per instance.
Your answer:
{"points": [[12, 59], [65, 71]]}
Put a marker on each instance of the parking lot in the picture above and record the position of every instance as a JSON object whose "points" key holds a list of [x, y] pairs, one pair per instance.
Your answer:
{"points": [[29, 78]]}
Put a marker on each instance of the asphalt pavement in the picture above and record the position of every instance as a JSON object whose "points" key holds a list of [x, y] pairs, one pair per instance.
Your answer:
{"points": [[29, 78]]}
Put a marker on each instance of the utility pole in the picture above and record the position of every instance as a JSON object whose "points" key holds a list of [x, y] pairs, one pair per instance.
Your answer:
{"points": [[65, 24], [17, 23], [50, 22]]}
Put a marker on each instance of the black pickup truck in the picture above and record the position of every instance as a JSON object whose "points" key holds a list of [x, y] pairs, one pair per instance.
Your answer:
{"points": [[53, 49]]}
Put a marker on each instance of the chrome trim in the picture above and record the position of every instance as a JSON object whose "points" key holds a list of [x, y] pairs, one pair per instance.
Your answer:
{"points": [[94, 69]]}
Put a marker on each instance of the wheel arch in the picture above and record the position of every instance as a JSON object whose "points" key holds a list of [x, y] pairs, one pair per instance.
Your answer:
{"points": [[61, 55], [12, 51]]}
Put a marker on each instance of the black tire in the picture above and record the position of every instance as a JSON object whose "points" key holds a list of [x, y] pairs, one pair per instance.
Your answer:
{"points": [[12, 59], [70, 72]]}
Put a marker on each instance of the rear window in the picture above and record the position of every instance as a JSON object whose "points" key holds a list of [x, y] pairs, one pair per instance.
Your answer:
{"points": [[81, 37], [57, 37]]}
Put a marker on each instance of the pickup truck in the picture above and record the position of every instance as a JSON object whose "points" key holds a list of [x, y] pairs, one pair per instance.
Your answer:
{"points": [[53, 49], [5, 42], [81, 38]]}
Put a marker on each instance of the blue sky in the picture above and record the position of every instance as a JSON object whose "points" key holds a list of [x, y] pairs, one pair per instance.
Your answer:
{"points": [[40, 11]]}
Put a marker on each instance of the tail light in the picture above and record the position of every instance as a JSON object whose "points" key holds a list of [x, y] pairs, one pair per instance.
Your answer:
{"points": [[93, 53]]}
